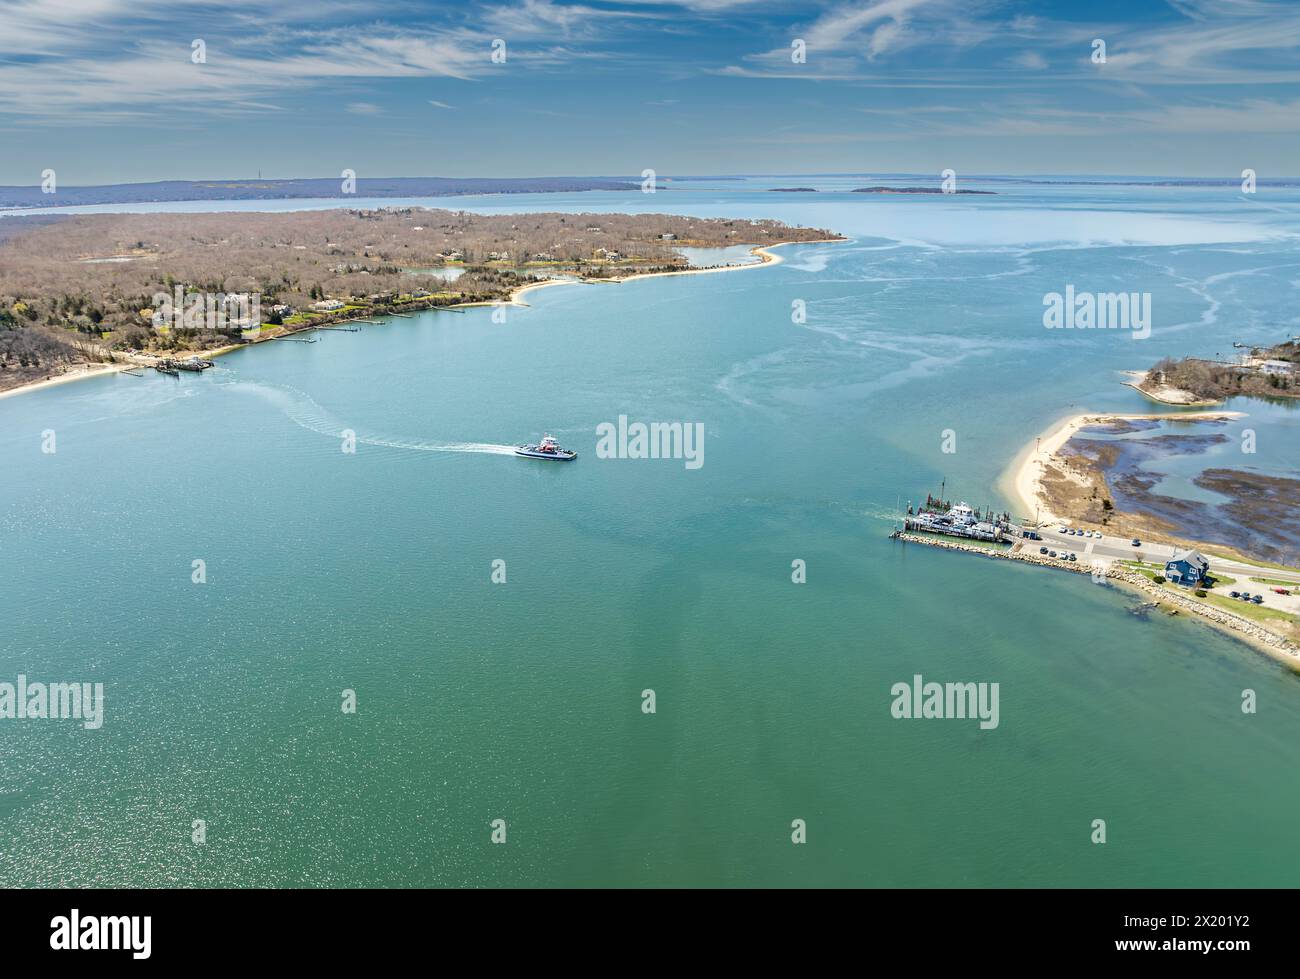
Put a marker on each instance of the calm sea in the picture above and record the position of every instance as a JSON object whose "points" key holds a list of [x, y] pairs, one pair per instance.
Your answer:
{"points": [[522, 701]]}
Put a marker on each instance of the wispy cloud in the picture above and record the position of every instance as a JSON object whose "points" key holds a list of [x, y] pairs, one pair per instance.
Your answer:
{"points": [[906, 69]]}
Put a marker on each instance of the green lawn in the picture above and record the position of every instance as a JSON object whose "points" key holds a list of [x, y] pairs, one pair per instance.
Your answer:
{"points": [[1276, 581], [1253, 563], [1249, 610]]}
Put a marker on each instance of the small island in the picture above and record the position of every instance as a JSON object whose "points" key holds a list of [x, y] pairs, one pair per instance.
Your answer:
{"points": [[792, 190], [917, 190]]}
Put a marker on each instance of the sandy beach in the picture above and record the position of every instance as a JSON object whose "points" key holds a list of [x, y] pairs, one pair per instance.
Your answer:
{"points": [[73, 374], [766, 257], [1165, 395], [1022, 482]]}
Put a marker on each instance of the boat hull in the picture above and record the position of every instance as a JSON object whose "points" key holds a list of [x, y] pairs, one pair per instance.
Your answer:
{"points": [[562, 456]]}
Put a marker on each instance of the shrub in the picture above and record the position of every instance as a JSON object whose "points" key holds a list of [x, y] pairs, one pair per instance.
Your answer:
{"points": [[1199, 593], [1159, 579]]}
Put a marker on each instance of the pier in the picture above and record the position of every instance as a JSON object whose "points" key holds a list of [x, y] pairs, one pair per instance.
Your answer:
{"points": [[940, 516], [174, 367]]}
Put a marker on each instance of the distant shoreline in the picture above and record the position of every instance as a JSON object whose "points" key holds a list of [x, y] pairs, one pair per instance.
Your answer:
{"points": [[145, 361]]}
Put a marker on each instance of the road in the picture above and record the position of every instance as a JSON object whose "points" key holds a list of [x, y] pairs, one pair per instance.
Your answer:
{"points": [[1121, 548]]}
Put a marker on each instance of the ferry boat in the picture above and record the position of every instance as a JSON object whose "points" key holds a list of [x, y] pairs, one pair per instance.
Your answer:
{"points": [[547, 448]]}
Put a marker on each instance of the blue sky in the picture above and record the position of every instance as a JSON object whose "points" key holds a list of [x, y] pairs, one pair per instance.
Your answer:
{"points": [[106, 90]]}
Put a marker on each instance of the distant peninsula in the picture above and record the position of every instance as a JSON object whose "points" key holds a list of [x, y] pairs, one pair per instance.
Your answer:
{"points": [[253, 189], [86, 290], [915, 190], [792, 190], [1264, 372]]}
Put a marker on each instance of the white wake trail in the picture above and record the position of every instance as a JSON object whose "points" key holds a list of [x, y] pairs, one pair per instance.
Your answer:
{"points": [[303, 411]]}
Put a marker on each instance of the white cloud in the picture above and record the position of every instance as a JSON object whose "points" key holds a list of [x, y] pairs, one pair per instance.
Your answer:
{"points": [[1029, 59]]}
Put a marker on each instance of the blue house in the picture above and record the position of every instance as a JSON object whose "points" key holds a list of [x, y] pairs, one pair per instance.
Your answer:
{"points": [[1187, 568]]}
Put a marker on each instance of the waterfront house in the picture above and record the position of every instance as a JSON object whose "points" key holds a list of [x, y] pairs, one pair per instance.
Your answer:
{"points": [[327, 305], [1276, 366], [1187, 568]]}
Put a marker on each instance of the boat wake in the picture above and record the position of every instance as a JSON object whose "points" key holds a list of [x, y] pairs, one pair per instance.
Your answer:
{"points": [[303, 411]]}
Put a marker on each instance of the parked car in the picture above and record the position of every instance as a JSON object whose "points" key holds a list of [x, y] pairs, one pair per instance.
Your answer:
{"points": [[1258, 599], [1135, 542], [1282, 591], [1051, 554], [1042, 550], [1235, 594]]}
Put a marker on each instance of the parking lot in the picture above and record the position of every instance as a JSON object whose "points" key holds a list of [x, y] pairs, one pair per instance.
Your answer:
{"points": [[1108, 548]]}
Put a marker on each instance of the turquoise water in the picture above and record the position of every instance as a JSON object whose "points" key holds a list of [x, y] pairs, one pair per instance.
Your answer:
{"points": [[521, 701]]}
